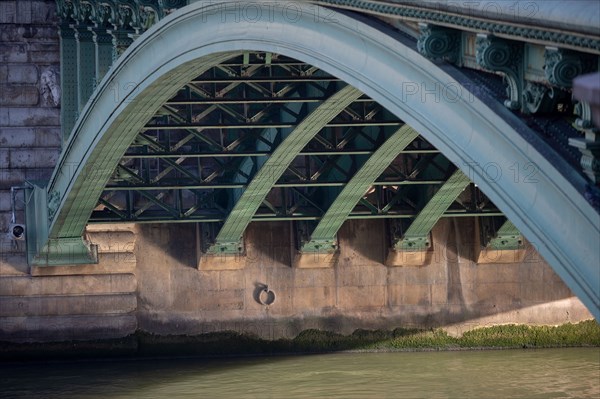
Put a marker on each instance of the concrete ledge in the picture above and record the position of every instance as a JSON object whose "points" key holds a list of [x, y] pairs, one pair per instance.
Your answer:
{"points": [[221, 262], [113, 241], [107, 227], [116, 263], [315, 260], [68, 285], [14, 306], [409, 258], [490, 255], [487, 255]]}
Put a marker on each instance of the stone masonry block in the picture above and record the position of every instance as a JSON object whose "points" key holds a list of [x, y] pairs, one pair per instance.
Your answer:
{"points": [[13, 52], [108, 264], [9, 177], [28, 137], [113, 242], [17, 137], [12, 264], [313, 298], [48, 137], [22, 74], [24, 12], [31, 33], [43, 12], [362, 275], [4, 158], [61, 328], [5, 205], [67, 305], [19, 95], [8, 12], [3, 116], [4, 198], [33, 157], [43, 53], [366, 297], [68, 285], [38, 173], [30, 117]]}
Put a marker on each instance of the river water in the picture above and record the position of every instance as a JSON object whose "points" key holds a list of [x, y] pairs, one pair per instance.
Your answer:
{"points": [[547, 373]]}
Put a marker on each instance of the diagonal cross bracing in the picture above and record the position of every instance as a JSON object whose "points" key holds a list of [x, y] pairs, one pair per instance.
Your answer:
{"points": [[324, 234], [228, 239], [416, 236]]}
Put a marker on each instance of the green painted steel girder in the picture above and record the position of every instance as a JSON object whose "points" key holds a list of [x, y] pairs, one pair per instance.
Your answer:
{"points": [[75, 186], [229, 237], [68, 81], [507, 237], [323, 237], [416, 237], [44, 251], [224, 154]]}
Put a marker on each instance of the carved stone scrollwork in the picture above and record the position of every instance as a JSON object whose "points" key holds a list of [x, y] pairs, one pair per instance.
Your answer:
{"points": [[541, 99], [129, 16], [168, 6], [562, 66], [105, 14], [507, 57], [150, 13], [439, 43], [65, 11], [584, 121], [84, 12], [590, 155]]}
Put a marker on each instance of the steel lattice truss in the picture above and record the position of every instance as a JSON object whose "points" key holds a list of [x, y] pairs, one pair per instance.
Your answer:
{"points": [[197, 156]]}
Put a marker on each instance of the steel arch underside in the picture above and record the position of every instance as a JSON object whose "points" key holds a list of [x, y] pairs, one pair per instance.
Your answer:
{"points": [[551, 213]]}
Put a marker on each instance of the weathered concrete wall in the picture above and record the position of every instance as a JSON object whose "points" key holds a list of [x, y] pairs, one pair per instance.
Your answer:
{"points": [[148, 277], [357, 292]]}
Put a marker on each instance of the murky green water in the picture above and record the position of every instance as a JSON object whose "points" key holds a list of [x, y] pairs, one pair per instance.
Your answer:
{"points": [[550, 373]]}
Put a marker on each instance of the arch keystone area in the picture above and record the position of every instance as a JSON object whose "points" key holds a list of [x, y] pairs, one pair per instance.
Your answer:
{"points": [[551, 213]]}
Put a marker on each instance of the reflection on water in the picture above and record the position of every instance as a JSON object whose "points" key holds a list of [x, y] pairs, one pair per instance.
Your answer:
{"points": [[549, 373]]}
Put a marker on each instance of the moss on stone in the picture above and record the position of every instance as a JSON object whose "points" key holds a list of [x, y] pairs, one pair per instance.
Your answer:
{"points": [[230, 343]]}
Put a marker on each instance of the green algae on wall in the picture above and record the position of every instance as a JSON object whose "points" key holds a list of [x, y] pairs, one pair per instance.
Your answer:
{"points": [[311, 341]]}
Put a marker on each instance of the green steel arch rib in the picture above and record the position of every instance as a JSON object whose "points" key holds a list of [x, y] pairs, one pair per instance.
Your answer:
{"points": [[416, 237], [109, 123], [228, 240], [323, 236]]}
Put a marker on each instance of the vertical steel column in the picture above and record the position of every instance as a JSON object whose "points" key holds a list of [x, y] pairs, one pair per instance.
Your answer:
{"points": [[121, 41], [68, 81], [103, 42], [86, 65]]}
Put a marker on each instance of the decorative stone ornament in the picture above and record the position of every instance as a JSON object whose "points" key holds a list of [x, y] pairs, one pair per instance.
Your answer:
{"points": [[437, 42], [501, 55], [539, 98], [562, 66]]}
